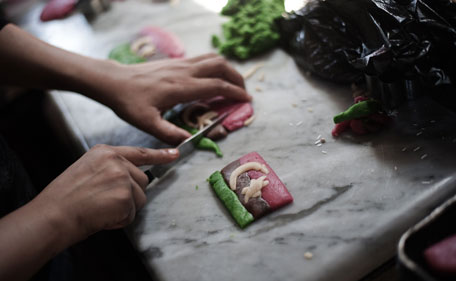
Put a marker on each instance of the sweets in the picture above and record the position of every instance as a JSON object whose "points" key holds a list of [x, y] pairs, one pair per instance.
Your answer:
{"points": [[197, 115], [255, 189], [152, 43], [441, 257]]}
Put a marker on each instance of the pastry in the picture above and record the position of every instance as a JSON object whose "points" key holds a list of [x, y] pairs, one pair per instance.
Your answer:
{"points": [[249, 189]]}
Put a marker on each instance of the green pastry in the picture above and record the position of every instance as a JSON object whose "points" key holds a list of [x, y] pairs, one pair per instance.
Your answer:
{"points": [[230, 200]]}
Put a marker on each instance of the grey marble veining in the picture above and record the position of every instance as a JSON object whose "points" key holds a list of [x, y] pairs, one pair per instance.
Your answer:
{"points": [[353, 196]]}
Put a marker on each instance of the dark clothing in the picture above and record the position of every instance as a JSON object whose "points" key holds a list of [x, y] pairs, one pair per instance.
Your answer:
{"points": [[15, 186], [3, 21]]}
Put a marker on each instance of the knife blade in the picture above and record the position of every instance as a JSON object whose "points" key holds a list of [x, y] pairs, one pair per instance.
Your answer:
{"points": [[185, 148]]}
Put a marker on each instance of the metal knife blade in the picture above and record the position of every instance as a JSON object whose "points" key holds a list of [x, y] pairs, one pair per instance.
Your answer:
{"points": [[185, 148]]}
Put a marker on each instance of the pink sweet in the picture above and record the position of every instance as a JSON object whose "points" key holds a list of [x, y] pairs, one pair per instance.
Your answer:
{"points": [[441, 257], [164, 41], [238, 116], [275, 193], [239, 112], [57, 9]]}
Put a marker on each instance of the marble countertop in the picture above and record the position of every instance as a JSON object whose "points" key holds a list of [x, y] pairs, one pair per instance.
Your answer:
{"points": [[353, 196]]}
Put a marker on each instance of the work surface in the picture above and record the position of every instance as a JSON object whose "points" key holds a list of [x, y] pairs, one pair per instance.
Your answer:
{"points": [[353, 196]]}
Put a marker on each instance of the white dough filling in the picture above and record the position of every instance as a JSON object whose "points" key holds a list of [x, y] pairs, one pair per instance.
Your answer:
{"points": [[254, 189], [143, 46], [244, 168], [206, 119], [189, 110]]}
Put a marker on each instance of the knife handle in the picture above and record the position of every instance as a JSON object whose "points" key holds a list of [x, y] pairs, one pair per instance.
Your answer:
{"points": [[149, 175]]}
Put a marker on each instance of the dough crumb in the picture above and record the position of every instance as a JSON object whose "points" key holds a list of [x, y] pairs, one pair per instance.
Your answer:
{"points": [[249, 120], [252, 70], [308, 255], [261, 77]]}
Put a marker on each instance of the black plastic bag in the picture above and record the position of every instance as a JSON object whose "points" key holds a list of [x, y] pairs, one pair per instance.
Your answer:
{"points": [[399, 45]]}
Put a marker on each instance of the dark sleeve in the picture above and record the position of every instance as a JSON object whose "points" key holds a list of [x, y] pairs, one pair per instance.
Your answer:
{"points": [[3, 21]]}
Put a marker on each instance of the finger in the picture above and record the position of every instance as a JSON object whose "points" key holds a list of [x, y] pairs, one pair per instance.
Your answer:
{"points": [[139, 156], [168, 132], [139, 196], [202, 57], [218, 67], [137, 175], [202, 88]]}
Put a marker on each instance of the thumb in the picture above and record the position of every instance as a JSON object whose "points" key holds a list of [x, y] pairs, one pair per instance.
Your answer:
{"points": [[140, 156], [168, 132]]}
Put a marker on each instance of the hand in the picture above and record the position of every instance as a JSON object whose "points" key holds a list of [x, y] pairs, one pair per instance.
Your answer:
{"points": [[103, 189], [141, 93]]}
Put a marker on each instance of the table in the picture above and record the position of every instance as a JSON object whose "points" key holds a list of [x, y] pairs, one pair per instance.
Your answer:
{"points": [[354, 196]]}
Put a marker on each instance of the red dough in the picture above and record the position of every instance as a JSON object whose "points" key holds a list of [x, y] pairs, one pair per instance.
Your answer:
{"points": [[441, 257], [275, 193], [57, 9], [237, 117], [164, 41], [239, 112]]}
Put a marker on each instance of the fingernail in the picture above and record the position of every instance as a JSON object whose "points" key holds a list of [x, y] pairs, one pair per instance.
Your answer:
{"points": [[172, 151]]}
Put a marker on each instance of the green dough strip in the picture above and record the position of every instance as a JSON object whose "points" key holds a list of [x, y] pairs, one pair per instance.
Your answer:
{"points": [[204, 143], [358, 110], [123, 54], [230, 200]]}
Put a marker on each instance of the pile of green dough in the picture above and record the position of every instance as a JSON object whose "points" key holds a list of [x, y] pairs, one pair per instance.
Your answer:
{"points": [[251, 29], [125, 55]]}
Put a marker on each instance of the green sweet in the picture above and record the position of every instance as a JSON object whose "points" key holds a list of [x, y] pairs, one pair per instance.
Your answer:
{"points": [[230, 200], [203, 143], [123, 54], [358, 110], [251, 29]]}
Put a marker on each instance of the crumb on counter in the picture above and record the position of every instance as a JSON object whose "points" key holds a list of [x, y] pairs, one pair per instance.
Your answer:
{"points": [[249, 73], [308, 255]]}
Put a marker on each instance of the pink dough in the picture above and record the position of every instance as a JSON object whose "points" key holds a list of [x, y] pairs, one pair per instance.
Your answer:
{"points": [[441, 257], [57, 9], [275, 193], [237, 118], [239, 112], [164, 41]]}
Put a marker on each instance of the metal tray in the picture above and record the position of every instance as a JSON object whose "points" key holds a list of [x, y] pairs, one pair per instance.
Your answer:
{"points": [[432, 229]]}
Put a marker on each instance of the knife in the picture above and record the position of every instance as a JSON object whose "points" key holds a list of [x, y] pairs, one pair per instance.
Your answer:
{"points": [[185, 148]]}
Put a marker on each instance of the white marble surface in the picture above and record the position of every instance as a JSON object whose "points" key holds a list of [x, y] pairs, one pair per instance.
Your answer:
{"points": [[351, 204]]}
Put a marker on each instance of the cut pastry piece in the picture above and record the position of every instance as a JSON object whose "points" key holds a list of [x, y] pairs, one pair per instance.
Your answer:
{"points": [[256, 188], [197, 115], [152, 43], [57, 9]]}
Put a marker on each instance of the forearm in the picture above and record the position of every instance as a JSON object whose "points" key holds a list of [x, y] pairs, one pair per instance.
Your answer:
{"points": [[29, 237], [30, 62]]}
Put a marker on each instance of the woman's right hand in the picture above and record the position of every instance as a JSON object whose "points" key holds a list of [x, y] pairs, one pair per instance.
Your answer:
{"points": [[103, 189]]}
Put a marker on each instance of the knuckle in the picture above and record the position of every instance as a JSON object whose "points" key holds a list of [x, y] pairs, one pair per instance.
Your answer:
{"points": [[118, 173], [123, 198], [143, 152], [221, 85], [220, 62], [101, 147]]}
